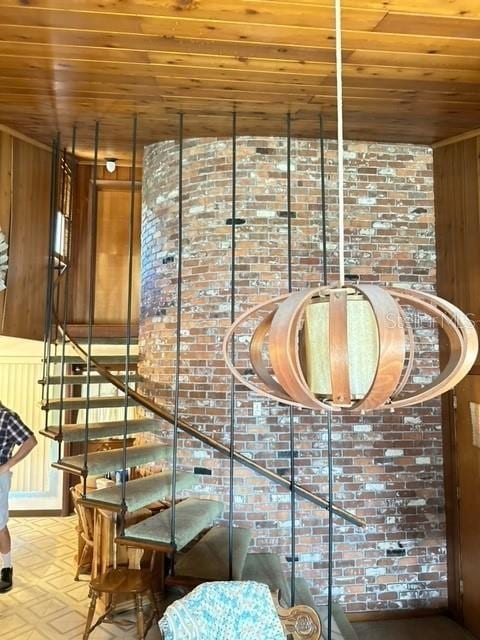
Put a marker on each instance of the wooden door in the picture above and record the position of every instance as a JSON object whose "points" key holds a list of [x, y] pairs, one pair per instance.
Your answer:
{"points": [[111, 272], [468, 468]]}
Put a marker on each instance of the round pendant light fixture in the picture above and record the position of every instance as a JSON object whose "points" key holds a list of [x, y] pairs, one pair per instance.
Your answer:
{"points": [[344, 347], [349, 348]]}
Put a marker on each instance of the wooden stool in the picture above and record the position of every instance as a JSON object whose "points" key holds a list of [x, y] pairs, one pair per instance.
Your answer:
{"points": [[132, 582]]}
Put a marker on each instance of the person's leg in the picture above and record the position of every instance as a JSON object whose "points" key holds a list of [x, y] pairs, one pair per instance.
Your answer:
{"points": [[5, 546], [6, 575]]}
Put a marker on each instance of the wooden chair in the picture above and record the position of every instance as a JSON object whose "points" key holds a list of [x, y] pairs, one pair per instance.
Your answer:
{"points": [[134, 583], [85, 532], [300, 622]]}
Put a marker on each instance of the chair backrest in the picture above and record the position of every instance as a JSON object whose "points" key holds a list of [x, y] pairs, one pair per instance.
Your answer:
{"points": [[300, 622], [85, 517]]}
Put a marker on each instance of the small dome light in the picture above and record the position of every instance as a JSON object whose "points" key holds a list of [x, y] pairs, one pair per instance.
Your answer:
{"points": [[111, 164]]}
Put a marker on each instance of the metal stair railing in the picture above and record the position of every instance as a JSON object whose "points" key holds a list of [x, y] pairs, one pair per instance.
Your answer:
{"points": [[162, 412]]}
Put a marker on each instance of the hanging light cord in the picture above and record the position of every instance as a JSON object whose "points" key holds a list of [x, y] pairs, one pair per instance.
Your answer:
{"points": [[341, 207]]}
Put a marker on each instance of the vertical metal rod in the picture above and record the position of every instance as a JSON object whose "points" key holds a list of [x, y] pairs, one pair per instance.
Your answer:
{"points": [[324, 206], [46, 325], [340, 151], [329, 415], [232, 346], [58, 269], [91, 302], [178, 334], [66, 290], [290, 409], [47, 343], [131, 239]]}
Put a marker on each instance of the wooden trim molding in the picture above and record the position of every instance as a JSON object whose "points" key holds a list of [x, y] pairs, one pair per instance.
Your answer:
{"points": [[117, 184], [38, 513], [454, 139], [397, 614], [24, 138], [102, 330]]}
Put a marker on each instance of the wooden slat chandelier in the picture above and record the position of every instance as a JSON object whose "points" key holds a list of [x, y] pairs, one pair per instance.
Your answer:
{"points": [[348, 348]]}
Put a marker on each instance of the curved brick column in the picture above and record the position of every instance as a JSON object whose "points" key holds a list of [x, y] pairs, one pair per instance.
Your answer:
{"points": [[388, 467]]}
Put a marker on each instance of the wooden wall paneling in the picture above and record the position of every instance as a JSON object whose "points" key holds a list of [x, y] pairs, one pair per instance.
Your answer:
{"points": [[5, 199], [80, 261], [469, 503], [457, 209], [113, 210], [29, 242], [112, 256]]}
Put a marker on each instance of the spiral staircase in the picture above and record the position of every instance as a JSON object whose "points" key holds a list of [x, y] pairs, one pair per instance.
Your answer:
{"points": [[77, 373], [199, 545]]}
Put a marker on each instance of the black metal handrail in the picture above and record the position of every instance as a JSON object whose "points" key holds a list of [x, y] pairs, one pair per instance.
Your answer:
{"points": [[162, 412]]}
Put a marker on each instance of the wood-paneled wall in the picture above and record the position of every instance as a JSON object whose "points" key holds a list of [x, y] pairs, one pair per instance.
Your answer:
{"points": [[25, 170], [111, 246], [457, 209]]}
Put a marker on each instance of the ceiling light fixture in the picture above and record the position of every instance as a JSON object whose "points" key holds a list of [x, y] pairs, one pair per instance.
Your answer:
{"points": [[111, 165]]}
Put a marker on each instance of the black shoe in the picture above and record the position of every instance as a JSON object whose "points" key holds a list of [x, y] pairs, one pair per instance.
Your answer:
{"points": [[6, 580]]}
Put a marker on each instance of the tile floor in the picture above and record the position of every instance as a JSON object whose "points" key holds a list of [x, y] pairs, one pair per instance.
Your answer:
{"points": [[46, 603]]}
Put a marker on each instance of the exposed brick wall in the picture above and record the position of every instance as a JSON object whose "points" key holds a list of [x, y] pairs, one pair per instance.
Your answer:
{"points": [[388, 467]]}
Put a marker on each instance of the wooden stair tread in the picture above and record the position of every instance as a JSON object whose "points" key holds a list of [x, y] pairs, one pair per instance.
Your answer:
{"points": [[107, 360], [107, 340], [99, 430], [101, 462], [83, 379], [266, 568], [96, 402], [143, 491], [208, 559], [192, 516]]}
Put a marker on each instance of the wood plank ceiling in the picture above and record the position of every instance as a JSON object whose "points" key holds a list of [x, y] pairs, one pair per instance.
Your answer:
{"points": [[411, 67]]}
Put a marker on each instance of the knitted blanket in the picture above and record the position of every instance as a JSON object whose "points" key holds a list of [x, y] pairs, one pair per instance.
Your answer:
{"points": [[223, 611]]}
